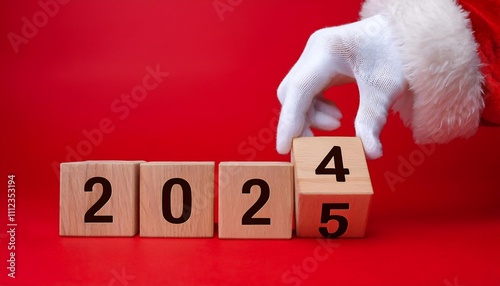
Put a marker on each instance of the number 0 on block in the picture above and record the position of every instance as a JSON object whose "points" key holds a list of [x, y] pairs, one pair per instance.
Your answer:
{"points": [[332, 187], [177, 199]]}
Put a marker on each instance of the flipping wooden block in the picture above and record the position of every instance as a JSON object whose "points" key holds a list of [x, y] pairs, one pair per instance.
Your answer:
{"points": [[99, 198], [177, 199], [255, 200], [332, 187]]}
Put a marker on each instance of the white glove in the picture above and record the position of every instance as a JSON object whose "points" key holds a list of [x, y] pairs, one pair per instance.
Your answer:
{"points": [[365, 52]]}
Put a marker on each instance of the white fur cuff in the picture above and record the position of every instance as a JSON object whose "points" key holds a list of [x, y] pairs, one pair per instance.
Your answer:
{"points": [[441, 65]]}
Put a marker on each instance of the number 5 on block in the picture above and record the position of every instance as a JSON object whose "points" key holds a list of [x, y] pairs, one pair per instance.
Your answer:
{"points": [[332, 187]]}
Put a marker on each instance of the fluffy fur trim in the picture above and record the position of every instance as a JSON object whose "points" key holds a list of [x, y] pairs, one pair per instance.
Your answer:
{"points": [[441, 65], [483, 15]]}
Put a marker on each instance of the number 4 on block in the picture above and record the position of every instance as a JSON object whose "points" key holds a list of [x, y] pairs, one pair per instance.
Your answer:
{"points": [[332, 187]]}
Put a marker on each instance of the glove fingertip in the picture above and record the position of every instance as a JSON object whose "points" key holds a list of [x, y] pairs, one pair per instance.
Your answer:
{"points": [[282, 147]]}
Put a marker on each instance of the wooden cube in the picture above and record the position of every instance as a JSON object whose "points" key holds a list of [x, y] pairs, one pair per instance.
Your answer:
{"points": [[255, 200], [177, 199], [99, 198], [332, 187]]}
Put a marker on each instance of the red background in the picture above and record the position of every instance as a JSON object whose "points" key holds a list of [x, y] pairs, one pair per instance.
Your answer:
{"points": [[438, 225]]}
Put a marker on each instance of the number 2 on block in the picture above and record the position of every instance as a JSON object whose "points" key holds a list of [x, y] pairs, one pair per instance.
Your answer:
{"points": [[90, 215], [248, 218]]}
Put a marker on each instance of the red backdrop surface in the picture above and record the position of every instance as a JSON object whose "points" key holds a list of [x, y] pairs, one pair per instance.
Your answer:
{"points": [[68, 67]]}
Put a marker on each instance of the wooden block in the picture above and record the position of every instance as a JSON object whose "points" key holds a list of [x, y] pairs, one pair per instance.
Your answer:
{"points": [[99, 198], [177, 199], [255, 200], [332, 187]]}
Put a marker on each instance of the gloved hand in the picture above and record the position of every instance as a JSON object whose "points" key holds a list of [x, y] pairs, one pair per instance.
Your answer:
{"points": [[365, 52]]}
